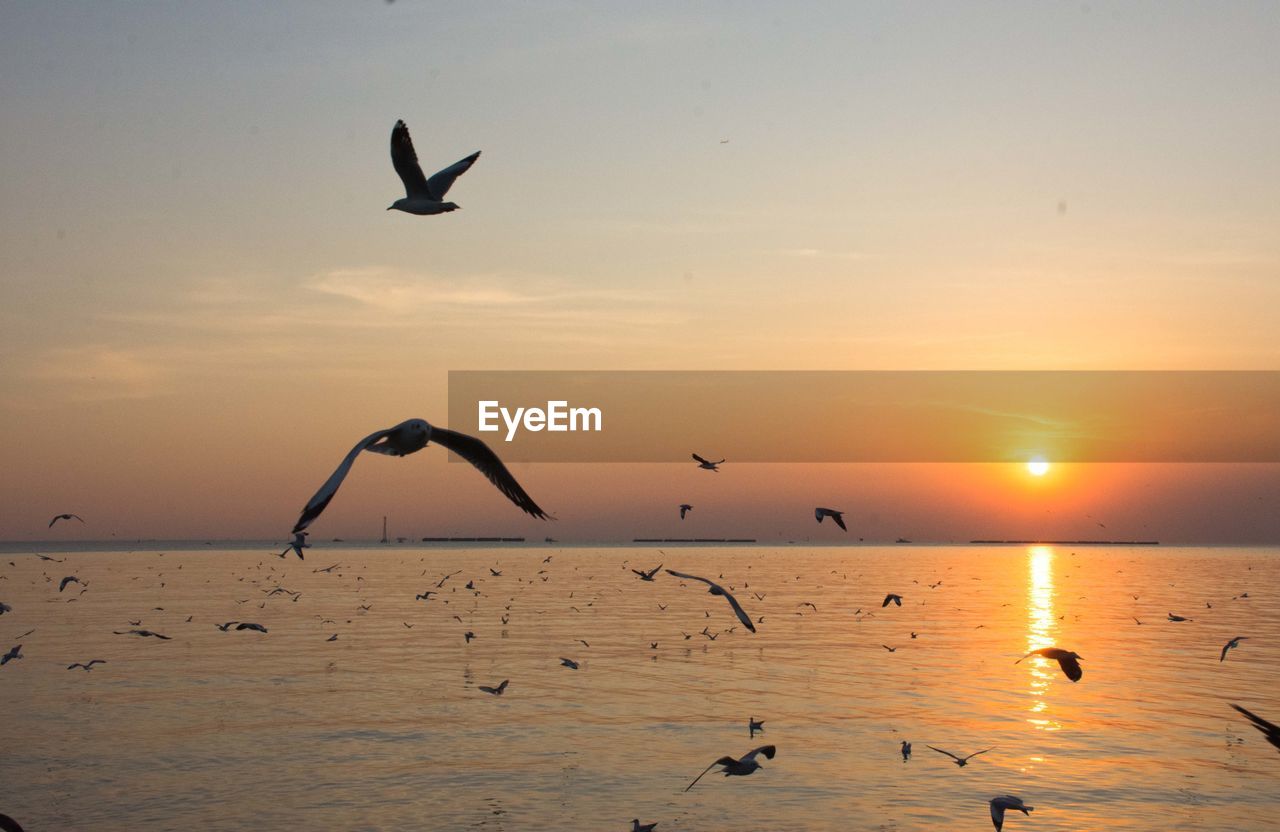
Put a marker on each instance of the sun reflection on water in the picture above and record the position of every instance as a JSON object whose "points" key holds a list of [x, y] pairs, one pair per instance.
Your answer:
{"points": [[1041, 625]]}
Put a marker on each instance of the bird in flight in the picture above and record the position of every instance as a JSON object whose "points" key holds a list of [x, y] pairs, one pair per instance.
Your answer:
{"points": [[1230, 645], [70, 579], [1067, 660], [140, 633], [960, 761], [247, 625], [890, 649], [65, 517], [685, 508], [1000, 804], [496, 691], [647, 576], [422, 195], [569, 663], [716, 589], [738, 768], [4, 608], [1173, 617], [897, 599], [837, 516], [299, 543], [707, 464], [227, 626], [1269, 729], [14, 653], [86, 665], [409, 437]]}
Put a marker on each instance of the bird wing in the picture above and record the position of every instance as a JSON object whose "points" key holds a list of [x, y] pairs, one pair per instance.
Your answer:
{"points": [[1070, 666], [976, 753], [690, 577], [1269, 729], [839, 518], [767, 750], [405, 161], [487, 463], [322, 497], [701, 461], [440, 183], [741, 613], [887, 599], [997, 814], [723, 761], [818, 514], [77, 517], [940, 751]]}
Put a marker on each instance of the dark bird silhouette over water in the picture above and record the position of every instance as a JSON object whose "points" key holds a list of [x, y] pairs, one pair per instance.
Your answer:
{"points": [[754, 725], [1067, 660], [496, 691], [4, 608], [707, 464], [246, 625], [65, 517], [1173, 617], [1000, 804], [716, 589], [70, 579], [8, 824], [740, 767], [141, 634], [1231, 645], [637, 826], [15, 652], [897, 599], [906, 751], [959, 761], [685, 508], [423, 196], [837, 516], [410, 437], [569, 663], [1269, 729], [647, 576], [86, 665]]}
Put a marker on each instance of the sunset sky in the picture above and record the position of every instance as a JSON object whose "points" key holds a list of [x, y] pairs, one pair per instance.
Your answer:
{"points": [[204, 303]]}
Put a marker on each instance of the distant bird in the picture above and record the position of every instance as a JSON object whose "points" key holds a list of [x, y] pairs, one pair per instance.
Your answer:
{"points": [[897, 599], [707, 464], [906, 751], [299, 543], [569, 663], [246, 625], [227, 626], [890, 649], [684, 509], [1000, 804], [70, 579], [409, 437], [960, 761], [4, 608], [1173, 617], [426, 596], [333, 637], [647, 576], [65, 517], [837, 516], [14, 653], [423, 196], [754, 725], [716, 589], [86, 665], [140, 634], [1067, 660], [468, 635], [637, 826], [499, 690], [60, 560], [1269, 729], [8, 824], [494, 572], [1235, 642], [740, 767]]}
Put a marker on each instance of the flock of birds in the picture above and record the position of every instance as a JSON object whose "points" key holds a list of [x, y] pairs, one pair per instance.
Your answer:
{"points": [[426, 196]]}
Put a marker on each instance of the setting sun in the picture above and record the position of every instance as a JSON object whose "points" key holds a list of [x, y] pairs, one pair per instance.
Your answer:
{"points": [[1038, 467]]}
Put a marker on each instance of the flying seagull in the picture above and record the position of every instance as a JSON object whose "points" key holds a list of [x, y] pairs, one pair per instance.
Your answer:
{"points": [[496, 691], [65, 517], [647, 576], [412, 436], [707, 464], [1067, 660], [716, 589], [246, 625], [569, 663], [423, 195], [1235, 642], [1173, 617], [960, 761], [86, 665], [14, 653], [685, 508], [1007, 801], [1269, 729], [141, 633], [897, 599], [740, 767], [70, 579], [227, 626], [837, 516], [299, 543]]}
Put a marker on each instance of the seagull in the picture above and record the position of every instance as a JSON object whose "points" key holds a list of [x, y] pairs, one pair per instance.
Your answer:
{"points": [[999, 804], [707, 464], [426, 596], [1235, 642], [70, 579], [684, 509], [423, 196], [498, 691], [86, 665], [467, 636], [4, 608], [740, 767], [754, 725], [716, 589], [14, 653], [837, 516], [569, 663], [906, 751], [1173, 617], [897, 599], [246, 625], [65, 517], [140, 633], [1067, 660], [1269, 729], [637, 826], [890, 649], [227, 626], [647, 576], [412, 436], [960, 761], [299, 543]]}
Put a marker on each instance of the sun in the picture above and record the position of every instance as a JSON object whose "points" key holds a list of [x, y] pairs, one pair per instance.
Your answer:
{"points": [[1038, 467]]}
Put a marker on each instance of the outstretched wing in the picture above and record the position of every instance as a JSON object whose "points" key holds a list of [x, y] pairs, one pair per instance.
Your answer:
{"points": [[1269, 729], [487, 463], [440, 183], [1071, 667], [701, 461], [839, 518], [405, 161], [322, 497], [767, 750], [723, 761], [940, 751], [742, 616], [976, 753], [689, 577]]}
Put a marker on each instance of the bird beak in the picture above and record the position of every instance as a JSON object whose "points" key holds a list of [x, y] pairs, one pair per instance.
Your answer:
{"points": [[389, 207]]}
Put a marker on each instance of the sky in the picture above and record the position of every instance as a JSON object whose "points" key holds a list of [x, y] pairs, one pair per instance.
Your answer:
{"points": [[204, 303]]}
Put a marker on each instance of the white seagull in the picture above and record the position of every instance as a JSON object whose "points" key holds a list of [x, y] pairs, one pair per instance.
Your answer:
{"points": [[1007, 801], [716, 589], [412, 436], [707, 464], [837, 516], [423, 195]]}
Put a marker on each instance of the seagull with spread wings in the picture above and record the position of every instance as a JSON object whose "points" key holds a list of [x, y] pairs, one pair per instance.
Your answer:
{"points": [[716, 589], [410, 437], [837, 516], [707, 464], [741, 767], [65, 517], [1003, 802], [959, 761], [422, 195], [1066, 659], [647, 576]]}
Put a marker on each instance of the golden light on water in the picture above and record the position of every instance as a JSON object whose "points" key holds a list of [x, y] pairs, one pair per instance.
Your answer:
{"points": [[1038, 467], [1041, 625]]}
